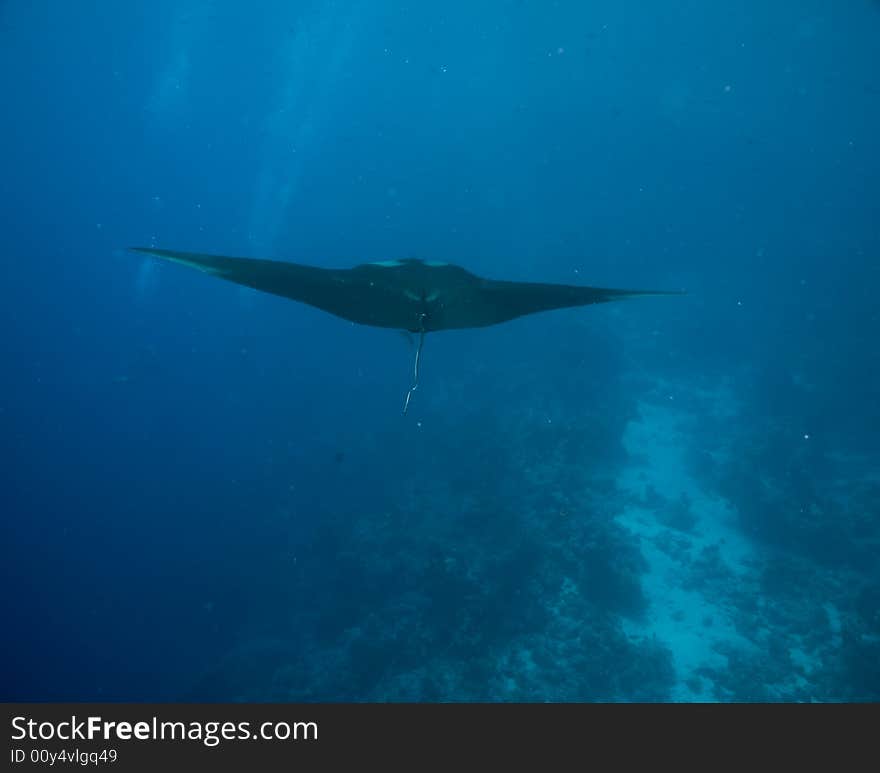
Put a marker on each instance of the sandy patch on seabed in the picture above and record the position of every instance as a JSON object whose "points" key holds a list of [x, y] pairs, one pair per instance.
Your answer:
{"points": [[694, 573]]}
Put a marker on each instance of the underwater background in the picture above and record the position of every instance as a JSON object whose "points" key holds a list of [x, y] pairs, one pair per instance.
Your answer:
{"points": [[211, 494]]}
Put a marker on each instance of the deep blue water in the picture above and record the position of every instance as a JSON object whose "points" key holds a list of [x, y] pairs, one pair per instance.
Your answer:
{"points": [[211, 493]]}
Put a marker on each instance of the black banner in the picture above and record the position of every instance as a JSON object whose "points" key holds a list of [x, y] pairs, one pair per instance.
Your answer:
{"points": [[123, 737]]}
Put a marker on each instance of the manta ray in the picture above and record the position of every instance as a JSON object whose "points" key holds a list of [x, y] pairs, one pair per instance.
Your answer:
{"points": [[418, 296]]}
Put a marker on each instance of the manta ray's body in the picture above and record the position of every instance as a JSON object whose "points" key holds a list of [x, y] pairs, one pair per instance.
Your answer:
{"points": [[414, 295], [404, 294]]}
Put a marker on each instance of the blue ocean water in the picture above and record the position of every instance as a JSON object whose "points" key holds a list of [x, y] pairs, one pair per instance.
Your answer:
{"points": [[211, 493]]}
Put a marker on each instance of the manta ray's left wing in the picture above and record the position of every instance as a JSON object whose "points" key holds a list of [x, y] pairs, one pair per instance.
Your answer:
{"points": [[341, 292], [493, 301], [289, 280]]}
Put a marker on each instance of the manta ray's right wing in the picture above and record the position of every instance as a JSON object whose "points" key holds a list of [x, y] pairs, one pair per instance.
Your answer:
{"points": [[501, 300]]}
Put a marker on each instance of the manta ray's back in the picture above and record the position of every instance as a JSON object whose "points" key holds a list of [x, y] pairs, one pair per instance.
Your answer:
{"points": [[408, 294]]}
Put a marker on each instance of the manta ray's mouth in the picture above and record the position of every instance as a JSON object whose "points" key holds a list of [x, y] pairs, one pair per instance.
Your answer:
{"points": [[423, 296]]}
